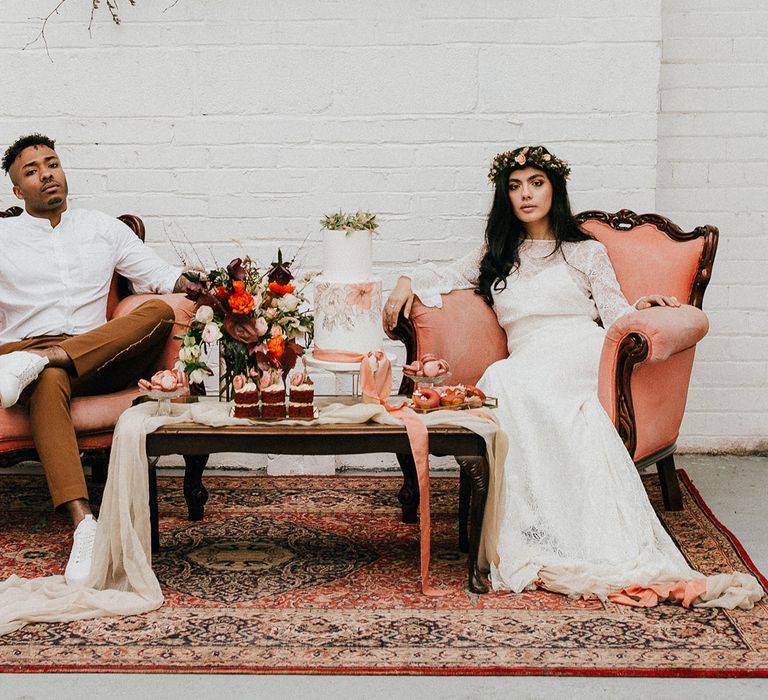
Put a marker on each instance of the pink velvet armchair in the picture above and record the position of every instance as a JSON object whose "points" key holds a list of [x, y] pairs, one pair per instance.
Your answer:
{"points": [[95, 416], [647, 357]]}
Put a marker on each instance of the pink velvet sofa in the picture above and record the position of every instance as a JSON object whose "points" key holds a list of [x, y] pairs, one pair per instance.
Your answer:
{"points": [[94, 416], [646, 361]]}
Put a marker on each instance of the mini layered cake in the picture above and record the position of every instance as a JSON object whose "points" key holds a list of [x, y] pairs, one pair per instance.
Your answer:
{"points": [[246, 398], [272, 395], [302, 396]]}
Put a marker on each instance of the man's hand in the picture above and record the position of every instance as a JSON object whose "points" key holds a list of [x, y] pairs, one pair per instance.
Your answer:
{"points": [[189, 274]]}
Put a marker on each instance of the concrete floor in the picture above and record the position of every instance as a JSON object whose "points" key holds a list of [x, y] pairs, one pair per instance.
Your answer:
{"points": [[735, 489]]}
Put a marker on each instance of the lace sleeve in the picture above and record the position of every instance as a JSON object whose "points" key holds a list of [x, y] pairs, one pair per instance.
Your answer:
{"points": [[609, 299], [429, 281]]}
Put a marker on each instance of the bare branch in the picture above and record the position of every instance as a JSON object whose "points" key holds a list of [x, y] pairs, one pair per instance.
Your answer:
{"points": [[41, 34]]}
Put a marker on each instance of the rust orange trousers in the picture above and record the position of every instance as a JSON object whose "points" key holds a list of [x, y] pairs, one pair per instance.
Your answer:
{"points": [[106, 359]]}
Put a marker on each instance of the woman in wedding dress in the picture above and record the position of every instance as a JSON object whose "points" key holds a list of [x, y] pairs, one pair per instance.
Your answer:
{"points": [[571, 513]]}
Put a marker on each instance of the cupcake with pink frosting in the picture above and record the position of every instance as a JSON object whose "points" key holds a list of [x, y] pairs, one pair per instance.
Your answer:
{"points": [[246, 397], [272, 394], [301, 397]]}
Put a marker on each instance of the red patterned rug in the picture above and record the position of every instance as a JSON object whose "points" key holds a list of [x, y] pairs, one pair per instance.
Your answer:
{"points": [[318, 575]]}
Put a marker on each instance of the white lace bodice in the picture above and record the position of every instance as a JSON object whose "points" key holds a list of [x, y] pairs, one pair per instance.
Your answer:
{"points": [[586, 262]]}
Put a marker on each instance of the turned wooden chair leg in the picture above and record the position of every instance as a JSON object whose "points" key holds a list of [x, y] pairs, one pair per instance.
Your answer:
{"points": [[670, 486], [99, 464]]}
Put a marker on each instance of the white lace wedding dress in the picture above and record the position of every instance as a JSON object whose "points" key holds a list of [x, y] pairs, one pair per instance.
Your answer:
{"points": [[570, 509]]}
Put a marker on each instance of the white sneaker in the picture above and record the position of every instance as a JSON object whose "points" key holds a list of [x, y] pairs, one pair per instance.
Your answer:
{"points": [[17, 370], [79, 564]]}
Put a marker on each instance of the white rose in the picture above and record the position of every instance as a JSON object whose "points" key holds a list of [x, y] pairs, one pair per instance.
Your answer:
{"points": [[211, 333], [204, 314], [189, 353], [196, 376], [288, 302]]}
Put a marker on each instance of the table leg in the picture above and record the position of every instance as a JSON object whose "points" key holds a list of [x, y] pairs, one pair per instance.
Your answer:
{"points": [[465, 491], [154, 516], [477, 471], [195, 494], [409, 493]]}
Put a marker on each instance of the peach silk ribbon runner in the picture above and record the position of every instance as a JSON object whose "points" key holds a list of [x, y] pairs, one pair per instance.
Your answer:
{"points": [[683, 592], [375, 387]]}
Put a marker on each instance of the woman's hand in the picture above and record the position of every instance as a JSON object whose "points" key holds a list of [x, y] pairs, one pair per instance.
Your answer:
{"points": [[402, 296], [655, 300]]}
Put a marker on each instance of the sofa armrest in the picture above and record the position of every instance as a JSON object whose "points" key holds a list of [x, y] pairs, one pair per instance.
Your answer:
{"points": [[183, 309], [667, 330]]}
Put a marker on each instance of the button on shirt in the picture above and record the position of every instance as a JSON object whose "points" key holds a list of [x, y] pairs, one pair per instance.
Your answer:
{"points": [[56, 281]]}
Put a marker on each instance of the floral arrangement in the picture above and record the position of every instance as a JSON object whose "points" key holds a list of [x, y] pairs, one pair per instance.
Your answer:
{"points": [[536, 156], [260, 319], [359, 221]]}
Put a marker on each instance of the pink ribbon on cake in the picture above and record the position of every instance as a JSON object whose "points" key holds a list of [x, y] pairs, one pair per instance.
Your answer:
{"points": [[337, 355], [375, 387]]}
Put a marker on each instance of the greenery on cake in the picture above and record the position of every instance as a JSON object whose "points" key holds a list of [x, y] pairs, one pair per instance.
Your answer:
{"points": [[359, 221]]}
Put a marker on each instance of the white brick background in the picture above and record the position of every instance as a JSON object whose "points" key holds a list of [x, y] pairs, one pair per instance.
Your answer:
{"points": [[235, 126], [713, 168]]}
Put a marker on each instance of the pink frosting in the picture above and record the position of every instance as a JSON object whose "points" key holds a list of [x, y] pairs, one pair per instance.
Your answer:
{"points": [[238, 382], [301, 379]]}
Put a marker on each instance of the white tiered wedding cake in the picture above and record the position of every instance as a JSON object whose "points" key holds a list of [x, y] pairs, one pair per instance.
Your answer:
{"points": [[347, 298]]}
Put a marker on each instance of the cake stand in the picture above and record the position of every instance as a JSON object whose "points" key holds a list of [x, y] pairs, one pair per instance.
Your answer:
{"points": [[344, 368], [163, 399]]}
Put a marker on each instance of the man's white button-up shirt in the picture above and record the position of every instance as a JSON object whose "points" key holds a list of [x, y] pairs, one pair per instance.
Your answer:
{"points": [[56, 281]]}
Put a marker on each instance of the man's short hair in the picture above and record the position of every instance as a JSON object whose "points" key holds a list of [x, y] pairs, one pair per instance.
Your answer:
{"points": [[12, 153]]}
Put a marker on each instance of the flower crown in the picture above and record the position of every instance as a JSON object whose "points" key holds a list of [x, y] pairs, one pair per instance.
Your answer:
{"points": [[537, 156]]}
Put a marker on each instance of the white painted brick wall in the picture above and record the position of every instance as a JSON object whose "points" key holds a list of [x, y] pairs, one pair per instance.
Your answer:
{"points": [[713, 169], [235, 126]]}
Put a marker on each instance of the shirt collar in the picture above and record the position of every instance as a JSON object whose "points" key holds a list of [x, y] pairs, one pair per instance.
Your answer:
{"points": [[40, 223]]}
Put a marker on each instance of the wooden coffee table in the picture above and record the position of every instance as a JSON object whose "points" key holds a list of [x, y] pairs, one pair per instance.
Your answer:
{"points": [[196, 442]]}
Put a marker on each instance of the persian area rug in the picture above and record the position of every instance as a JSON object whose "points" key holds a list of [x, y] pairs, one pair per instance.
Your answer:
{"points": [[318, 575]]}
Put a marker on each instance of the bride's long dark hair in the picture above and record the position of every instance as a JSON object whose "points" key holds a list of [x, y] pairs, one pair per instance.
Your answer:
{"points": [[504, 232]]}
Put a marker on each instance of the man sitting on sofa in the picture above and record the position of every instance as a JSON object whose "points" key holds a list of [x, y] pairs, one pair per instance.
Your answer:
{"points": [[55, 342]]}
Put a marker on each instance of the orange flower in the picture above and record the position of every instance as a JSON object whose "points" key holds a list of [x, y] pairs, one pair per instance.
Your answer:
{"points": [[276, 346], [278, 288], [238, 285], [241, 302]]}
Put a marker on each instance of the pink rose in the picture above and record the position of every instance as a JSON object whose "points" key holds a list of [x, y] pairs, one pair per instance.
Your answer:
{"points": [[261, 325]]}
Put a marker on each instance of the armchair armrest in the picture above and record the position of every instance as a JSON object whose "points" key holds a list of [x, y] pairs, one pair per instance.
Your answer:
{"points": [[664, 340], [667, 330]]}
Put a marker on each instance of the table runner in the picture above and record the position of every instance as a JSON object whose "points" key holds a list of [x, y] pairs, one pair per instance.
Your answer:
{"points": [[121, 581]]}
